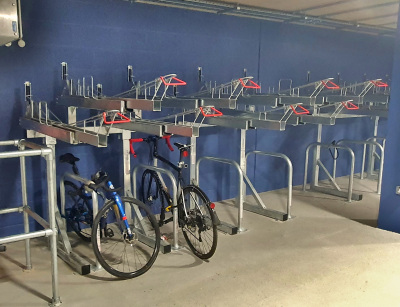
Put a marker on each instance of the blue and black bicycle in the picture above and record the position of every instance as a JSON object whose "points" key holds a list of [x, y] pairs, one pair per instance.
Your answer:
{"points": [[124, 234]]}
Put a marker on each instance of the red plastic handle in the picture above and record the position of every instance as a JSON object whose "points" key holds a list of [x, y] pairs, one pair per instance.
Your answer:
{"points": [[379, 83], [330, 85], [349, 105], [131, 146], [168, 141], [217, 112], [177, 83], [253, 84], [124, 120], [305, 111]]}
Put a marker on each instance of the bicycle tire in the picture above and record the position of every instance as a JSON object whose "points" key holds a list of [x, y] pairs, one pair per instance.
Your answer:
{"points": [[110, 243], [78, 212], [199, 227], [153, 194]]}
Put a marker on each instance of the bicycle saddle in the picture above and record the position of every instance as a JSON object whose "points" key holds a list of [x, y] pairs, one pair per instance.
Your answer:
{"points": [[68, 158], [182, 146]]}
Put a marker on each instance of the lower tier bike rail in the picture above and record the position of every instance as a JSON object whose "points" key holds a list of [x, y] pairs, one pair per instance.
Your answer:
{"points": [[317, 163], [289, 176], [365, 143], [165, 247], [50, 229], [241, 193], [372, 155]]}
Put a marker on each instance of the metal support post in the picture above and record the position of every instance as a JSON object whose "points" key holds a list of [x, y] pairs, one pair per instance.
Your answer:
{"points": [[126, 136], [52, 200], [317, 156], [242, 160], [25, 205], [193, 158]]}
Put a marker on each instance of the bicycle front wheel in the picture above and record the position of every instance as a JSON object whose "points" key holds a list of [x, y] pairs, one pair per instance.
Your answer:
{"points": [[119, 254], [198, 222]]}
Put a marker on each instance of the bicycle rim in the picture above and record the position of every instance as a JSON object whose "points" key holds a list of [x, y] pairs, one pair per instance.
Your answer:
{"points": [[78, 212], [198, 227], [117, 254]]}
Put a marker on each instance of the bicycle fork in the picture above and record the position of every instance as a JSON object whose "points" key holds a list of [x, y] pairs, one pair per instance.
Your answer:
{"points": [[120, 211]]}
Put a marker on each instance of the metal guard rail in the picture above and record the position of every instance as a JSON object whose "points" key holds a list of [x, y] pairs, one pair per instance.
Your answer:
{"points": [[50, 227]]}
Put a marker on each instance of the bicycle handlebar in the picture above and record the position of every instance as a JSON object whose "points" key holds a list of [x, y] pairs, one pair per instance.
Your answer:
{"points": [[101, 182], [167, 139]]}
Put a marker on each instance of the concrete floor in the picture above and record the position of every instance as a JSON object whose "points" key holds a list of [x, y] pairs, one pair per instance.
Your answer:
{"points": [[327, 255]]}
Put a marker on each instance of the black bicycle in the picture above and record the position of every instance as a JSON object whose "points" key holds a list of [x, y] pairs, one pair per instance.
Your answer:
{"points": [[196, 215], [124, 234]]}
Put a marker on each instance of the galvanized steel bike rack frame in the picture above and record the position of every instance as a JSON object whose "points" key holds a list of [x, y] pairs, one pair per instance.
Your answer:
{"points": [[365, 143], [242, 181], [317, 163], [165, 247], [50, 229], [239, 198], [373, 155], [289, 175]]}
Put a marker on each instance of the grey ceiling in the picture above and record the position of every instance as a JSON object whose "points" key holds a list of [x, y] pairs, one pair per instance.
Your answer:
{"points": [[371, 12], [369, 16]]}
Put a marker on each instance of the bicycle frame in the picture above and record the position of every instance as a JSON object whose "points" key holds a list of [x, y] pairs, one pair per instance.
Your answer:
{"points": [[178, 169]]}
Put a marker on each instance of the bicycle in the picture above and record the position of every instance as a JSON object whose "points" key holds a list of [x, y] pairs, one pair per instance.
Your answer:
{"points": [[78, 211], [196, 216], [124, 234]]}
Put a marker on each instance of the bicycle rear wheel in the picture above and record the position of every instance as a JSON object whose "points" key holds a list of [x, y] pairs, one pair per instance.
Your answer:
{"points": [[119, 255], [78, 211], [199, 225]]}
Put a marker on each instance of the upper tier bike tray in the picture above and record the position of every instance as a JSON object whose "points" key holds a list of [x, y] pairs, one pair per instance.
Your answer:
{"points": [[149, 96], [369, 92], [94, 130]]}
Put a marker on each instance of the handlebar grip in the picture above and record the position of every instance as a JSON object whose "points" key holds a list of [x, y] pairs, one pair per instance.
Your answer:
{"points": [[103, 185], [131, 146], [168, 141]]}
